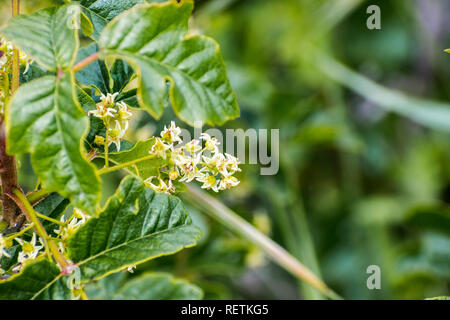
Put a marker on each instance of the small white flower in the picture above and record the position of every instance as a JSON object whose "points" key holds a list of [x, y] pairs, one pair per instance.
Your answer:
{"points": [[192, 146], [189, 167], [108, 100], [159, 148], [209, 182], [231, 164], [171, 134], [123, 114], [3, 246], [103, 112], [215, 164], [211, 143], [161, 186], [29, 249], [116, 135]]}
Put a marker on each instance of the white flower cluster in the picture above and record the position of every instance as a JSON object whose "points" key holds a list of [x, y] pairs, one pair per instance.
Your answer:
{"points": [[71, 225], [189, 162], [30, 249], [115, 117]]}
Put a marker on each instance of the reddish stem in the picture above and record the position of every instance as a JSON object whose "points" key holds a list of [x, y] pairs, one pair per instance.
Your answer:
{"points": [[83, 63]]}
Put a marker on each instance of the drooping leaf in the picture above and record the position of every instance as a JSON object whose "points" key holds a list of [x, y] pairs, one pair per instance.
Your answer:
{"points": [[136, 225], [152, 38], [46, 120], [143, 169], [48, 36], [158, 286], [39, 279], [95, 74], [52, 206], [96, 126]]}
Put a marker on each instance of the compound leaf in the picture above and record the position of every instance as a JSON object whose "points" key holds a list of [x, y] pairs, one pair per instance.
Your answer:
{"points": [[45, 119], [49, 36], [136, 225], [152, 38]]}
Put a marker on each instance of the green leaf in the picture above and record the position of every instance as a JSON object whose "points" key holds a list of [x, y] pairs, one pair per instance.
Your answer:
{"points": [[158, 286], [152, 38], [143, 169], [52, 206], [136, 225], [96, 73], [45, 119], [122, 74], [46, 35], [86, 25], [39, 279], [100, 12]]}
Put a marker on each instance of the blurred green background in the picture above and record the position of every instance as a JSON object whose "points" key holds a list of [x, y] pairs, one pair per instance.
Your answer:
{"points": [[364, 164]]}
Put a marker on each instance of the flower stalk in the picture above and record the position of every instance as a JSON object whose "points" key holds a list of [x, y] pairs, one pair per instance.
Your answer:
{"points": [[125, 164], [32, 216]]}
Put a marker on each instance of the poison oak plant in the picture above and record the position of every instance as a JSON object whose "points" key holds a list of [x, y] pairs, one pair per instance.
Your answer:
{"points": [[74, 105]]}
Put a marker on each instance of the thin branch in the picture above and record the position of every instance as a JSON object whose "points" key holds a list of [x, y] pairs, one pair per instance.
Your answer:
{"points": [[80, 65], [37, 195], [125, 164], [274, 251]]}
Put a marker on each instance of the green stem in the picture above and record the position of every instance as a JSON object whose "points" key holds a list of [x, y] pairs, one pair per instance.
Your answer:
{"points": [[106, 150], [125, 164], [275, 252], [37, 195], [32, 216], [42, 216]]}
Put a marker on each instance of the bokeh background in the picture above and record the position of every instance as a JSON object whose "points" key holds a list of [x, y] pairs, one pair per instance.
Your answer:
{"points": [[364, 154]]}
